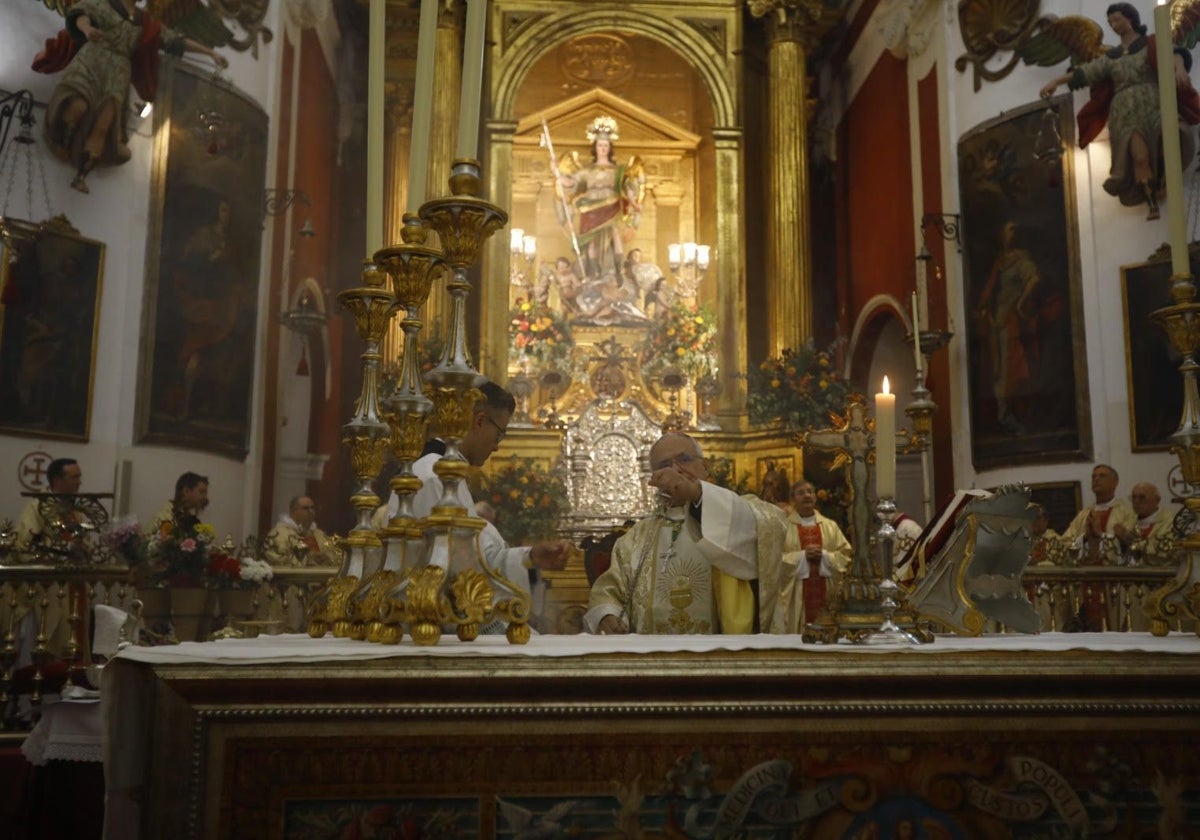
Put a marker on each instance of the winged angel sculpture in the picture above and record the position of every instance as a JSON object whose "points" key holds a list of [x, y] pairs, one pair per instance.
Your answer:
{"points": [[106, 45], [1124, 90]]}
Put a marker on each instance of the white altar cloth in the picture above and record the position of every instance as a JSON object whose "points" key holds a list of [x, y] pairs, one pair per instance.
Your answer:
{"points": [[301, 648]]}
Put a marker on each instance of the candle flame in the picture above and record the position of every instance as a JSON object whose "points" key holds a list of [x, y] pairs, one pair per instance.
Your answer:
{"points": [[885, 386]]}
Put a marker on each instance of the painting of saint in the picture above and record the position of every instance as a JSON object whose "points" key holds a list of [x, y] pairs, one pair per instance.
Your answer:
{"points": [[48, 332], [1028, 385], [203, 272]]}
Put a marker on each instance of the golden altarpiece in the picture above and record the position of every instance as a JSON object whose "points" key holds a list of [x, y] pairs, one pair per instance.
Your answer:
{"points": [[676, 115]]}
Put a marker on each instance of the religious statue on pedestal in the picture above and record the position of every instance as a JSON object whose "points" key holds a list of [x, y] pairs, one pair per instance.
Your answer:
{"points": [[604, 200]]}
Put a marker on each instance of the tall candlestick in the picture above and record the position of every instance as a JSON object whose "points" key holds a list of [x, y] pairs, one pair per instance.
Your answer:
{"points": [[375, 47], [472, 80], [885, 443], [923, 286], [1172, 158], [422, 119], [916, 333]]}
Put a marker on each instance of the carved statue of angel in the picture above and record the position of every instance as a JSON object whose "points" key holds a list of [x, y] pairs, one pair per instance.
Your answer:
{"points": [[607, 199], [107, 44], [1124, 91]]}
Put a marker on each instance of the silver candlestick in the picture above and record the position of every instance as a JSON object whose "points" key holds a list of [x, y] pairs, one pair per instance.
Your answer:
{"points": [[889, 632]]}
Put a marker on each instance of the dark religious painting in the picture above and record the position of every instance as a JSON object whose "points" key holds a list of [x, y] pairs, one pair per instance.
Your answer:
{"points": [[1025, 340], [202, 271], [1151, 364], [1061, 499], [49, 310]]}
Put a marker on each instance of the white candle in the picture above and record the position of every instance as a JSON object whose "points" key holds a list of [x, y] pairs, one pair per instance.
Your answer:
{"points": [[916, 333], [885, 443], [422, 119], [1172, 158], [375, 69], [923, 287], [471, 92]]}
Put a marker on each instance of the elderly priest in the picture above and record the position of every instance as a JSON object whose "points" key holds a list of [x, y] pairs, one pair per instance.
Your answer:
{"points": [[708, 562]]}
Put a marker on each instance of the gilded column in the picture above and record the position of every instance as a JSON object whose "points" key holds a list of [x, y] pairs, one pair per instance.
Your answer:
{"points": [[731, 281], [447, 76], [667, 198], [398, 99], [493, 283], [792, 27]]}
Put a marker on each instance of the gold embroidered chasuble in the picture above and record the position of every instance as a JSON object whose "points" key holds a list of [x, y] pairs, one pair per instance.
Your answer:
{"points": [[677, 576]]}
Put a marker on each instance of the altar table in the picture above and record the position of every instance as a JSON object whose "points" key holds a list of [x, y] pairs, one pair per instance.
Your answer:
{"points": [[605, 736]]}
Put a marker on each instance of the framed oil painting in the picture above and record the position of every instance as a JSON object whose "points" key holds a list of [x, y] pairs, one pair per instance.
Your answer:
{"points": [[49, 310], [1151, 364], [202, 265], [1061, 499], [1027, 370]]}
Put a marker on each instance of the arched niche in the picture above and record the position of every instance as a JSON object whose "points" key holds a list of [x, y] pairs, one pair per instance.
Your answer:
{"points": [[706, 42]]}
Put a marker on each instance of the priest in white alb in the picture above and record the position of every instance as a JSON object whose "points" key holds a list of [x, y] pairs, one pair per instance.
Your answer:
{"points": [[707, 562]]}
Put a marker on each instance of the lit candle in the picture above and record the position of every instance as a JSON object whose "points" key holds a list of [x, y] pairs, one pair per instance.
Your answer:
{"points": [[516, 240], [530, 244], [375, 68], [422, 119], [885, 443], [1172, 158], [916, 333], [471, 92], [689, 253], [702, 256]]}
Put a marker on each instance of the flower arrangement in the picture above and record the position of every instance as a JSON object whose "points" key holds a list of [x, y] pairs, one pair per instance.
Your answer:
{"points": [[124, 539], [798, 388], [529, 500], [178, 554], [685, 338], [538, 333], [184, 555]]}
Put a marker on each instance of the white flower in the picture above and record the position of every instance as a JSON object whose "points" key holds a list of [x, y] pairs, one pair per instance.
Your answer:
{"points": [[256, 571]]}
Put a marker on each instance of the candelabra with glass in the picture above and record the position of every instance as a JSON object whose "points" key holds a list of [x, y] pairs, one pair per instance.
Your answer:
{"points": [[688, 262]]}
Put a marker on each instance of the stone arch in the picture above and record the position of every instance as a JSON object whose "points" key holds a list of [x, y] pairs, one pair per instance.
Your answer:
{"points": [[537, 37]]}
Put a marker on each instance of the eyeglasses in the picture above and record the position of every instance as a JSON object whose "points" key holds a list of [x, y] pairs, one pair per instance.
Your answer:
{"points": [[674, 461], [502, 431]]}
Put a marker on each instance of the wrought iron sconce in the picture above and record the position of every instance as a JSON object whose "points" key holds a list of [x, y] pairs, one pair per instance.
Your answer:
{"points": [[279, 201], [947, 226], [17, 105]]}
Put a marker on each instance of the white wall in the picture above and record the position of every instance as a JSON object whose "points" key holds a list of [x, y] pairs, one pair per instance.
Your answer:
{"points": [[1110, 235], [116, 213]]}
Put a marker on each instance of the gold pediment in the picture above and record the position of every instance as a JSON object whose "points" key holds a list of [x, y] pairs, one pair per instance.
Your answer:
{"points": [[638, 127]]}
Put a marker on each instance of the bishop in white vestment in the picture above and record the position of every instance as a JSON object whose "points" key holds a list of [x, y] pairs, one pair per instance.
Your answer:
{"points": [[707, 563]]}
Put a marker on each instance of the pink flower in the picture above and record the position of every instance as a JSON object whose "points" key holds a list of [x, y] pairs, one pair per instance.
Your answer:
{"points": [[188, 545]]}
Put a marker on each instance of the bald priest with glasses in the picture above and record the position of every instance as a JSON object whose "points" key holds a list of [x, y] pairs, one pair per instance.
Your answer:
{"points": [[707, 562]]}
